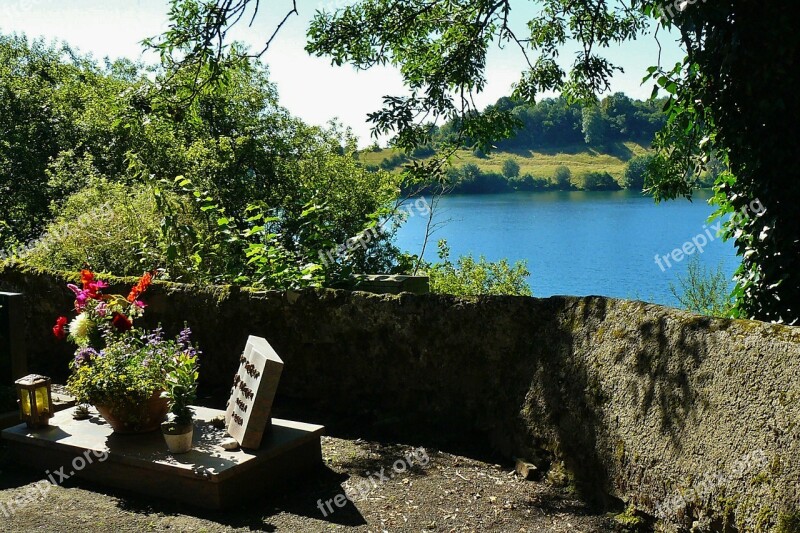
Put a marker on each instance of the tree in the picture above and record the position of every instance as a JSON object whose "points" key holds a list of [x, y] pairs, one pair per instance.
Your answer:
{"points": [[101, 166], [635, 172], [593, 126], [510, 168], [599, 181], [734, 95], [563, 178], [734, 98]]}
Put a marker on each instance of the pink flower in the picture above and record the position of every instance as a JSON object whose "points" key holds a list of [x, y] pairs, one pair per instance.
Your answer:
{"points": [[94, 287], [80, 300], [140, 304], [101, 309]]}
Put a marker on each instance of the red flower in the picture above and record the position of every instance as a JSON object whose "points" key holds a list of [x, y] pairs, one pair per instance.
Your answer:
{"points": [[140, 287], [87, 276], [58, 329], [121, 322]]}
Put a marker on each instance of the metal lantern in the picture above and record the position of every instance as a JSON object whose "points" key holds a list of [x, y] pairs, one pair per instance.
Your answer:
{"points": [[35, 400]]}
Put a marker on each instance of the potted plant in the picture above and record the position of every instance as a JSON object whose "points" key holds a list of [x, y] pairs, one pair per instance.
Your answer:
{"points": [[181, 391], [120, 369]]}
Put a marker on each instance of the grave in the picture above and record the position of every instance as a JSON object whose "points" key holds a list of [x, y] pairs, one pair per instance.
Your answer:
{"points": [[208, 476], [247, 416]]}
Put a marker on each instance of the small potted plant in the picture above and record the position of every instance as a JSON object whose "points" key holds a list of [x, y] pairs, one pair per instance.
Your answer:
{"points": [[181, 391]]}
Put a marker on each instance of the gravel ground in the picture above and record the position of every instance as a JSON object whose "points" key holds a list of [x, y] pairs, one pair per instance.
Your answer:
{"points": [[443, 493]]}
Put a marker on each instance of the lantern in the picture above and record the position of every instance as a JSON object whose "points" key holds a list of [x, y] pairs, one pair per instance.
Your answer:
{"points": [[35, 400]]}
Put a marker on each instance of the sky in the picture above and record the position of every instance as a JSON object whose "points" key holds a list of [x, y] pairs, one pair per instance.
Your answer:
{"points": [[309, 87]]}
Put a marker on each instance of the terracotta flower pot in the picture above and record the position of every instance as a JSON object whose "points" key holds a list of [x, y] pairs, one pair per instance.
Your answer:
{"points": [[135, 417]]}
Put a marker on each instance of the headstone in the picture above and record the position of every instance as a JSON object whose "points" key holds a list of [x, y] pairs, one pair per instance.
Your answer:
{"points": [[249, 408], [13, 362]]}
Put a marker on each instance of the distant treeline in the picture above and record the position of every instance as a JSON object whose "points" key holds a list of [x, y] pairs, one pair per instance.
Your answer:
{"points": [[553, 122]]}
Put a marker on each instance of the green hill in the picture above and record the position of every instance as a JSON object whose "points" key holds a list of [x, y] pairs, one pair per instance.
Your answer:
{"points": [[541, 164]]}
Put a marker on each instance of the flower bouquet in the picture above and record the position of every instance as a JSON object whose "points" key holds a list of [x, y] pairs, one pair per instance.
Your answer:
{"points": [[122, 370]]}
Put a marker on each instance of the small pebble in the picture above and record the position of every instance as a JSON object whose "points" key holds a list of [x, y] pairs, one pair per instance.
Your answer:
{"points": [[229, 444]]}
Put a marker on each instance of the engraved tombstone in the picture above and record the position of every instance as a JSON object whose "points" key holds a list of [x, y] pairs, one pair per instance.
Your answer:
{"points": [[250, 405]]}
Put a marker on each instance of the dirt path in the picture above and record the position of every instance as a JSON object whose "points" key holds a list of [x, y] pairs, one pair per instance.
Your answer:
{"points": [[437, 491]]}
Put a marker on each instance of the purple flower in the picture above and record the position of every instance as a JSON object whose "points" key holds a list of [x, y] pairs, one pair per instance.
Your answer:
{"points": [[84, 356], [184, 337], [101, 309]]}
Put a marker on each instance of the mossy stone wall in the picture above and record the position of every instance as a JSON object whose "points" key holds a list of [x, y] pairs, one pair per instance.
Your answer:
{"points": [[691, 419]]}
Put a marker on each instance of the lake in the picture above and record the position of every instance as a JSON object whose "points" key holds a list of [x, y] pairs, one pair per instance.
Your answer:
{"points": [[579, 243]]}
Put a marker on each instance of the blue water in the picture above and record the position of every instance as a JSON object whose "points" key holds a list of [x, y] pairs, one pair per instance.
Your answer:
{"points": [[578, 243]]}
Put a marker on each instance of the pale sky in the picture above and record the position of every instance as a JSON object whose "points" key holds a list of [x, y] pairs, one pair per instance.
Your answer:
{"points": [[308, 86]]}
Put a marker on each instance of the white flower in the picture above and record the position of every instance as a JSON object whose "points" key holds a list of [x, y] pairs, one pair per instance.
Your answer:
{"points": [[80, 328]]}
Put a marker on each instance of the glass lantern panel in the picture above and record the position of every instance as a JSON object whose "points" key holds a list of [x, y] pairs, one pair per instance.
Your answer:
{"points": [[25, 401], [42, 400]]}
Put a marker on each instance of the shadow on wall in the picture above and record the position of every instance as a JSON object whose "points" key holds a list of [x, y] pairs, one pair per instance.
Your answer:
{"points": [[635, 399]]}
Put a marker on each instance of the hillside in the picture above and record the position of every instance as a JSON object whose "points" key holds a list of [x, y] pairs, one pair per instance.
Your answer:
{"points": [[542, 163]]}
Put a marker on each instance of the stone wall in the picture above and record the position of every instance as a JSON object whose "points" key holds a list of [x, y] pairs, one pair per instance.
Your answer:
{"points": [[691, 419]]}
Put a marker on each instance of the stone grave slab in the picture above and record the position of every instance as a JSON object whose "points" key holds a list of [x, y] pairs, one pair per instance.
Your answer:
{"points": [[208, 476], [247, 416]]}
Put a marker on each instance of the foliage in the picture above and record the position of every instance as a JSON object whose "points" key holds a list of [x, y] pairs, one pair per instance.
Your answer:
{"points": [[702, 291], [181, 379], [52, 100], [635, 172], [112, 226], [599, 181], [733, 99], [129, 370], [102, 182], [468, 277], [470, 179], [443, 55], [555, 122], [593, 126], [563, 178], [510, 168], [528, 182]]}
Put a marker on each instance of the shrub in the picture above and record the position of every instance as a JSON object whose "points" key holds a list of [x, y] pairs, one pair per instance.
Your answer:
{"points": [[635, 172], [394, 161], [510, 168], [421, 152], [599, 181], [704, 292], [527, 182], [563, 178], [468, 277], [112, 227]]}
